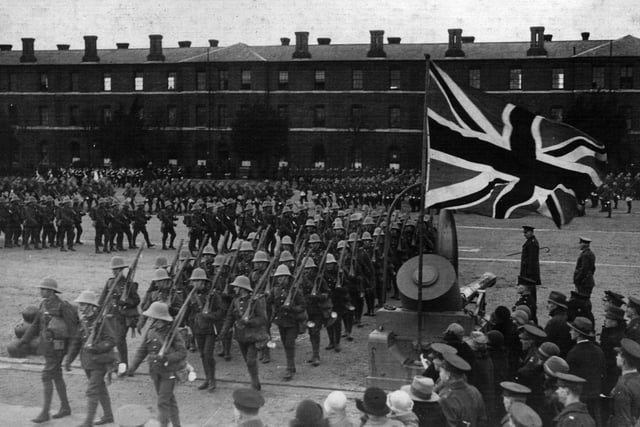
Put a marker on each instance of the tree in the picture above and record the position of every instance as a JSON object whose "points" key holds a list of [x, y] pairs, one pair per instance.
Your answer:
{"points": [[8, 143], [260, 134], [122, 137], [598, 115]]}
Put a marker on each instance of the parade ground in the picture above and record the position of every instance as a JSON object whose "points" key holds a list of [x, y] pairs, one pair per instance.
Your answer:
{"points": [[485, 245]]}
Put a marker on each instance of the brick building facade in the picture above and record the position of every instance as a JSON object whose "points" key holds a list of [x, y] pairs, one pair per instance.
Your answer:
{"points": [[347, 105]]}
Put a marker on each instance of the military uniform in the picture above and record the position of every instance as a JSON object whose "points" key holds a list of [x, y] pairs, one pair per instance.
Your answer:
{"points": [[583, 273], [31, 225], [167, 217], [64, 220], [626, 400], [462, 404], [140, 219], [574, 415], [287, 318]]}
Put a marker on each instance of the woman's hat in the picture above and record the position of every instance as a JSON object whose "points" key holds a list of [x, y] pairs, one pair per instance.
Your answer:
{"points": [[336, 401], [374, 402], [582, 325], [399, 401], [421, 389]]}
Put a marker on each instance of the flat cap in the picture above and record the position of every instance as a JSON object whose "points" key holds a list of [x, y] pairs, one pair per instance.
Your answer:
{"points": [[630, 347], [456, 362], [247, 398], [532, 331], [514, 389]]}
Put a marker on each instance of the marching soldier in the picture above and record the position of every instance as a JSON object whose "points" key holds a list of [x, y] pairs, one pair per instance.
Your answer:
{"points": [[48, 215], [370, 285], [95, 342], [160, 290], [196, 226], [245, 256], [318, 307], [260, 262], [77, 217], [31, 224], [339, 301], [248, 318], [14, 221], [55, 322], [64, 220], [163, 368], [167, 216], [140, 219]]}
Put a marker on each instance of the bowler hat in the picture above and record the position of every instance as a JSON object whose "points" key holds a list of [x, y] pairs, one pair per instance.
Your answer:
{"points": [[582, 325], [374, 402], [49, 283], [421, 389], [558, 298], [555, 364]]}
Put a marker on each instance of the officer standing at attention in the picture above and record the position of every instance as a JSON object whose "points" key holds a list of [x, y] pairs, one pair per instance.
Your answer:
{"points": [[585, 267], [530, 264], [55, 322]]}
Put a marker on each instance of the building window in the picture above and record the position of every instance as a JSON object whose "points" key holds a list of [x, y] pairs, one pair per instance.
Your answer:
{"points": [[319, 116], [44, 82], [515, 79], [474, 78], [13, 82], [171, 80], [74, 115], [106, 82], [201, 115], [356, 80], [138, 81], [319, 80], [74, 85], [246, 80], [394, 117], [556, 113], [356, 116], [283, 80], [43, 116], [223, 80], [626, 77], [597, 80], [107, 115], [557, 80], [172, 115], [201, 80], [222, 116], [283, 110], [394, 79]]}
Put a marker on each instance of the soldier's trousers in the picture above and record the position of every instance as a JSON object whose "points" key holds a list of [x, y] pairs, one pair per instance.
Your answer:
{"points": [[288, 336], [127, 232], [166, 232], [334, 331], [52, 375], [78, 227], [102, 237], [167, 405], [48, 235], [250, 356], [206, 346], [358, 303], [12, 235], [97, 393], [143, 230], [65, 231], [121, 338], [31, 235]]}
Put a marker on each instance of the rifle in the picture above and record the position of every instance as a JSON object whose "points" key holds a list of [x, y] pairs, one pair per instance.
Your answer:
{"points": [[221, 246], [263, 236], [176, 322], [196, 261], [232, 266], [354, 252], [176, 279], [296, 281], [321, 268], [207, 303], [341, 268], [176, 258], [300, 252], [296, 242], [103, 311], [132, 272], [257, 292]]}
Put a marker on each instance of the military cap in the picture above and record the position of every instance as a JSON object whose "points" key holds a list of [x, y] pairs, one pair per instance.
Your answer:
{"points": [[614, 298], [582, 325], [614, 313], [523, 416], [49, 283], [442, 348], [531, 331], [568, 379], [242, 282], [630, 348], [558, 298], [511, 389], [456, 362], [198, 274], [247, 398], [521, 317], [555, 364], [548, 349], [132, 416], [634, 302], [528, 228], [584, 239]]}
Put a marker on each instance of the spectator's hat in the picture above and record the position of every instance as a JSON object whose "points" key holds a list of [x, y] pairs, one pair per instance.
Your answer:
{"points": [[336, 401], [87, 297], [455, 329], [242, 282], [523, 416], [374, 402], [548, 349], [614, 313], [521, 317], [132, 416], [614, 298], [247, 398], [495, 338], [158, 310], [582, 325], [49, 283], [528, 228], [558, 298], [630, 348], [308, 413], [565, 379], [421, 389], [526, 309], [456, 363], [555, 364], [583, 239], [399, 401], [511, 389], [530, 331]]}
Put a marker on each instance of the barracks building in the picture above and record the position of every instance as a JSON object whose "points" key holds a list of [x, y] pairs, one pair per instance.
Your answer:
{"points": [[347, 105]]}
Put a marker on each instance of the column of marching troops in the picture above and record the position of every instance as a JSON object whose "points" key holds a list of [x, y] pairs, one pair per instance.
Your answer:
{"points": [[242, 279]]}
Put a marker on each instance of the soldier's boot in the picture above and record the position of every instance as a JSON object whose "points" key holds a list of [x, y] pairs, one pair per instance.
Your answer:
{"points": [[62, 249], [71, 248], [226, 345], [290, 354], [65, 409], [255, 380], [92, 408], [315, 346], [266, 355], [97, 250], [164, 243], [212, 378], [171, 243], [48, 395], [107, 411], [36, 245], [205, 384]]}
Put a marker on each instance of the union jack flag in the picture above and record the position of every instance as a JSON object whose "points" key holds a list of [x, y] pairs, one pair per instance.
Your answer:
{"points": [[501, 160]]}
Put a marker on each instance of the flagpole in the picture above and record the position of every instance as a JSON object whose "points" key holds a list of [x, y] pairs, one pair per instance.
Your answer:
{"points": [[424, 185]]}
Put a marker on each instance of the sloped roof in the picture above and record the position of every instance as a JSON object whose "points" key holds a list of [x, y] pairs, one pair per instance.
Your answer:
{"points": [[240, 52]]}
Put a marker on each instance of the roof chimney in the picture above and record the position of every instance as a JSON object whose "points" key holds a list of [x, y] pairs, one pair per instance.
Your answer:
{"points": [[324, 40], [5, 47], [155, 48], [393, 40], [184, 43], [455, 43], [548, 37], [28, 54], [284, 41], [122, 45], [537, 42], [376, 48], [302, 45], [468, 39], [585, 35], [63, 46], [213, 43], [90, 49]]}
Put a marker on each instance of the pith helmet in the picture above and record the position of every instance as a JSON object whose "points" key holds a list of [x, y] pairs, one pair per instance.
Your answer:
{"points": [[49, 283], [330, 259], [286, 256], [251, 236], [368, 221], [161, 274], [198, 274], [246, 247], [310, 263], [282, 270], [352, 237], [161, 262], [341, 244], [218, 260], [185, 254], [242, 282], [286, 240], [260, 256], [208, 251], [87, 297], [309, 223], [235, 245], [366, 236], [158, 310], [314, 238], [118, 262]]}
